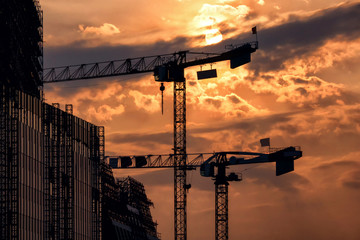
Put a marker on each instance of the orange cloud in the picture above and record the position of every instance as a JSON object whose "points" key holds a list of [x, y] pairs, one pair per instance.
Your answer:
{"points": [[103, 93], [232, 78], [209, 19], [92, 103], [148, 102], [232, 113], [261, 2], [330, 53], [213, 36], [104, 112], [296, 81], [107, 29], [229, 105], [335, 120], [296, 89], [213, 14]]}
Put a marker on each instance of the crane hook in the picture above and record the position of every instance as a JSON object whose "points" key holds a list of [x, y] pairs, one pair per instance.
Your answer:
{"points": [[162, 88]]}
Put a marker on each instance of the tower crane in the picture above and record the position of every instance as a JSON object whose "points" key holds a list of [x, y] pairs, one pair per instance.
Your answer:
{"points": [[284, 158], [166, 68]]}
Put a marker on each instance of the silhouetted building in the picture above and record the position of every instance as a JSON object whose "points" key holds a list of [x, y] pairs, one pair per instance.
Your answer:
{"points": [[21, 41], [54, 183], [73, 151], [49, 171], [126, 209]]}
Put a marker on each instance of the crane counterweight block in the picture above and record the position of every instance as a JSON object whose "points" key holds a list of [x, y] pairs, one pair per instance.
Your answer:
{"points": [[161, 74], [237, 61], [234, 177], [125, 161], [169, 73], [284, 166], [284, 159], [242, 55], [114, 162], [140, 161], [207, 169]]}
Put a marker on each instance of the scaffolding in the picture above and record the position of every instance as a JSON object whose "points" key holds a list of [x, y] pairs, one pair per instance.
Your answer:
{"points": [[3, 163], [43, 173], [97, 149], [133, 195], [69, 174], [72, 142], [113, 208], [20, 163], [126, 209], [13, 167], [9, 171], [21, 68], [49, 174], [21, 61], [5, 167]]}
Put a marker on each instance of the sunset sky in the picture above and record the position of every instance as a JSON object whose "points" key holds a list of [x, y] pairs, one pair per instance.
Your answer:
{"points": [[301, 88]]}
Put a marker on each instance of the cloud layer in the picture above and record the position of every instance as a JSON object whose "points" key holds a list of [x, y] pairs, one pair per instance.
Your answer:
{"points": [[301, 88]]}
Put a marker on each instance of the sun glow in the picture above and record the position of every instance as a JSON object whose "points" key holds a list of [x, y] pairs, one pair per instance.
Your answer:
{"points": [[213, 36]]}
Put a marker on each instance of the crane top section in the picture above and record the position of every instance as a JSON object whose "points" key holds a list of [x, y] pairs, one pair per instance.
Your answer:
{"points": [[239, 55], [283, 157]]}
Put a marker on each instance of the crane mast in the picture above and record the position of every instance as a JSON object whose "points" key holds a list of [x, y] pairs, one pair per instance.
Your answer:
{"points": [[221, 200], [180, 185], [166, 68]]}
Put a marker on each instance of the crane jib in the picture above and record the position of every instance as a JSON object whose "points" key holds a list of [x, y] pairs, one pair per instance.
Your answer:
{"points": [[169, 62]]}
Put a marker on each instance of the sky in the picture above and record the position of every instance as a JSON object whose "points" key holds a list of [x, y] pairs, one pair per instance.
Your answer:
{"points": [[301, 88]]}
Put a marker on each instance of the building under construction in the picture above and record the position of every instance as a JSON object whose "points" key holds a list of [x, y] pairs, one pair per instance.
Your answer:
{"points": [[126, 212], [54, 183]]}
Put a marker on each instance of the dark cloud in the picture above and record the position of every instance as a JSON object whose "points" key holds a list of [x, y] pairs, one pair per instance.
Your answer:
{"points": [[277, 44], [165, 177], [78, 53], [302, 91], [325, 143], [191, 83], [215, 102], [300, 81], [258, 124], [352, 179], [162, 177], [328, 144], [336, 164], [347, 172], [160, 138], [234, 99], [351, 98], [151, 140], [290, 182], [289, 128], [302, 35], [352, 184]]}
